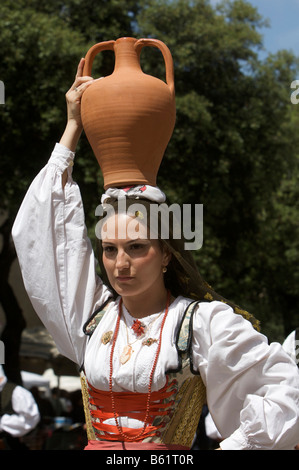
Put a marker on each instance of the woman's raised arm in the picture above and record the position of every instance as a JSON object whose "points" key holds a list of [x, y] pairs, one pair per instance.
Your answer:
{"points": [[55, 255], [73, 97]]}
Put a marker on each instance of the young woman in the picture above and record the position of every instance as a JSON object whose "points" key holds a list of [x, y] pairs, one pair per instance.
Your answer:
{"points": [[151, 355]]}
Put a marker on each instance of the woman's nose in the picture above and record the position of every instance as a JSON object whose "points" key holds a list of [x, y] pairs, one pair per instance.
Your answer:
{"points": [[122, 260]]}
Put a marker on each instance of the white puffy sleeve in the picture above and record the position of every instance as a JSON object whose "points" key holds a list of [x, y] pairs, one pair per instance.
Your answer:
{"points": [[252, 387], [56, 256], [26, 416], [291, 346]]}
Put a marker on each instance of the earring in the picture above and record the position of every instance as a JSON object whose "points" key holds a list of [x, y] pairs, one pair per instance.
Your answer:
{"points": [[164, 269]]}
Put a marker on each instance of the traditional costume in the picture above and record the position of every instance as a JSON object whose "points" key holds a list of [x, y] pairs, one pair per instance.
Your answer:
{"points": [[144, 382]]}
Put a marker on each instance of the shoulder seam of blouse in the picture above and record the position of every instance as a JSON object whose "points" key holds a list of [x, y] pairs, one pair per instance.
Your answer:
{"points": [[100, 310]]}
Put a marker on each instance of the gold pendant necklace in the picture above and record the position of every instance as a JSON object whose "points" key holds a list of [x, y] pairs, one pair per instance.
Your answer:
{"points": [[126, 354], [128, 350]]}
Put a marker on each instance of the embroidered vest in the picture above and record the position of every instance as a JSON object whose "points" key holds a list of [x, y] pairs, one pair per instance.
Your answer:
{"points": [[184, 404]]}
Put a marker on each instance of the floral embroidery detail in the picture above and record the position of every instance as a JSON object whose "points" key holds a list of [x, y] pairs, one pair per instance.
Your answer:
{"points": [[208, 296]]}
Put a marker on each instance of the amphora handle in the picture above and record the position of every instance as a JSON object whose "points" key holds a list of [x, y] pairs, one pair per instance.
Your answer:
{"points": [[166, 55], [93, 51], [139, 44]]}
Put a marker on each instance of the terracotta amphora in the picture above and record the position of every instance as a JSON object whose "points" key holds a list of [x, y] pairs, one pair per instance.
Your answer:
{"points": [[129, 116]]}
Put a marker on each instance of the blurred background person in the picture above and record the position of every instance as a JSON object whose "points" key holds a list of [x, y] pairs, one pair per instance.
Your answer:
{"points": [[19, 414]]}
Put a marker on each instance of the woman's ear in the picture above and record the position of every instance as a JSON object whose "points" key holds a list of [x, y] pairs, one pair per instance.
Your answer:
{"points": [[167, 255]]}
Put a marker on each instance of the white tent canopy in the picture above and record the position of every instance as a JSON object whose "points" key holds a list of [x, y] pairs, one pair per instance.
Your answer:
{"points": [[50, 380], [64, 382], [30, 380], [38, 353]]}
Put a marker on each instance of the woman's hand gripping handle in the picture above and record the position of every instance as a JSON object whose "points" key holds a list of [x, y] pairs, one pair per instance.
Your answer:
{"points": [[74, 125]]}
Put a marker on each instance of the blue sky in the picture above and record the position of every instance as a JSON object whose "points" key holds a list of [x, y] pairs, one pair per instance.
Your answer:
{"points": [[283, 32]]}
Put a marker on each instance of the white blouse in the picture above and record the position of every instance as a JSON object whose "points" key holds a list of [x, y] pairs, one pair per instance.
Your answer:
{"points": [[252, 387], [291, 346]]}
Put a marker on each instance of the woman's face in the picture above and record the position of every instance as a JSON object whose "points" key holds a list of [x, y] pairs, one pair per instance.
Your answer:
{"points": [[134, 263]]}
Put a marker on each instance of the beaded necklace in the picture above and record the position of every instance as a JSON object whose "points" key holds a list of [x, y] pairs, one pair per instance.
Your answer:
{"points": [[130, 438], [140, 330]]}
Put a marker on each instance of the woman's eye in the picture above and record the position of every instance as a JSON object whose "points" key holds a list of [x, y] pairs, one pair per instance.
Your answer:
{"points": [[136, 246], [109, 249]]}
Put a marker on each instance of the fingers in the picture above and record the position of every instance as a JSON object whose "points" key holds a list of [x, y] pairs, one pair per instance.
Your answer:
{"points": [[80, 68], [81, 85], [81, 81]]}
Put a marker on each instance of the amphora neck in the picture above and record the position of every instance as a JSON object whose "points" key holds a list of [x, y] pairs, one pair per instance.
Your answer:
{"points": [[125, 54]]}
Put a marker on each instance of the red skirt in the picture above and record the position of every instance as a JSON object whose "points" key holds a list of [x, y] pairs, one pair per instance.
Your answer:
{"points": [[117, 445]]}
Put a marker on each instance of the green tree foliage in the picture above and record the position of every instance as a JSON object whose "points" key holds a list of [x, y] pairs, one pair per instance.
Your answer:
{"points": [[234, 148], [41, 44]]}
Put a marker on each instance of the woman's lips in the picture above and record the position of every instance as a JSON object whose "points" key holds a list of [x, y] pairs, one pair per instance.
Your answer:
{"points": [[124, 278]]}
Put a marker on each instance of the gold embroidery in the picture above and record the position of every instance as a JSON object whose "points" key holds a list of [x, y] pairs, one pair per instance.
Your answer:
{"points": [[85, 399], [182, 427], [208, 296]]}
